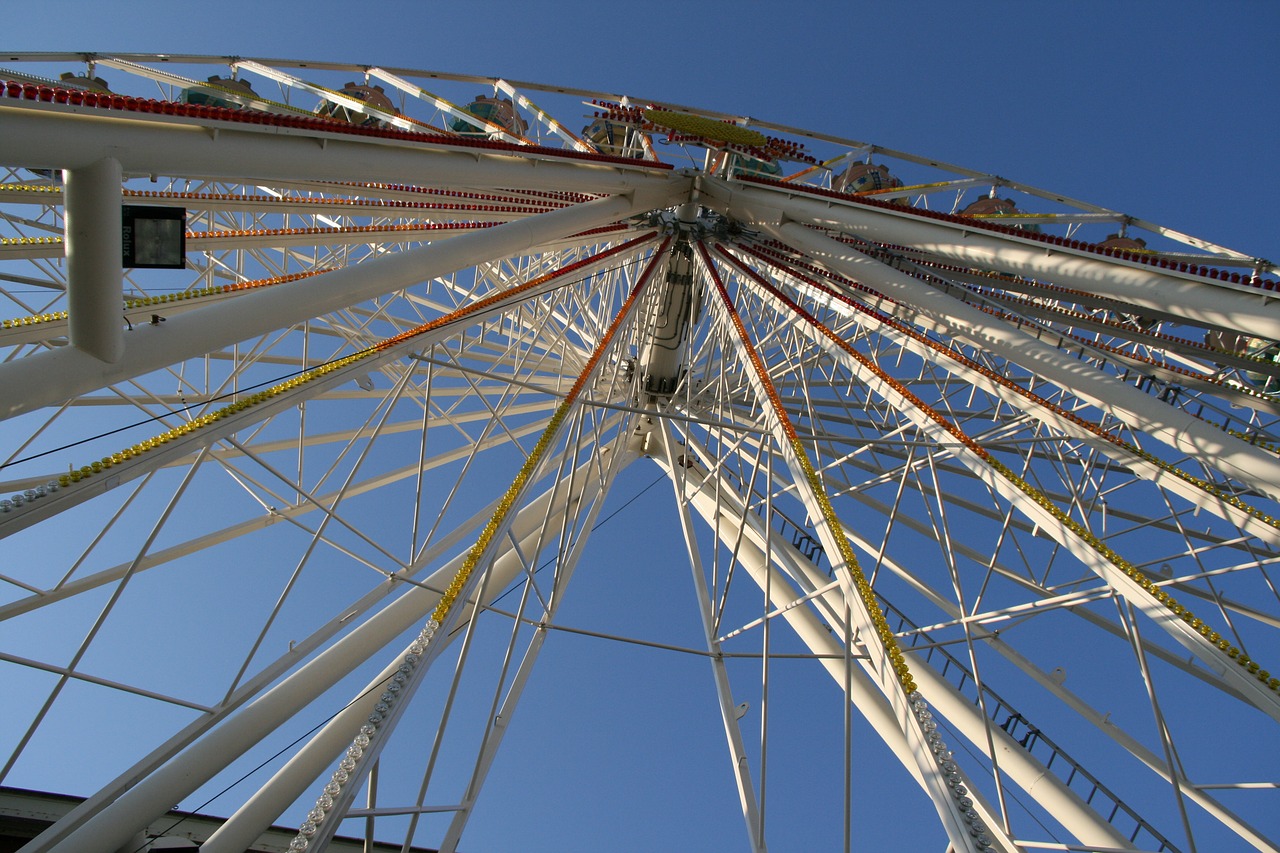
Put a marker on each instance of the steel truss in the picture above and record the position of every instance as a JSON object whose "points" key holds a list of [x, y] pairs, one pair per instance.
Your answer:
{"points": [[1011, 496]]}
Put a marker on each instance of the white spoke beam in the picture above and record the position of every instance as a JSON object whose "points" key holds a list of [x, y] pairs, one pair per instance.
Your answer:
{"points": [[52, 376], [1196, 299]]}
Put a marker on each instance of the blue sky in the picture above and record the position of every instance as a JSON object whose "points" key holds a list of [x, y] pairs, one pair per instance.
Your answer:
{"points": [[1162, 110]]}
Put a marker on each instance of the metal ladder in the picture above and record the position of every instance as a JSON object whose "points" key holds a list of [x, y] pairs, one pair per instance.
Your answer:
{"points": [[1030, 737], [1087, 786]]}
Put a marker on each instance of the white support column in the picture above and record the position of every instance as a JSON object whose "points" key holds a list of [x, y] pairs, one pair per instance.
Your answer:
{"points": [[51, 377], [95, 274], [151, 796]]}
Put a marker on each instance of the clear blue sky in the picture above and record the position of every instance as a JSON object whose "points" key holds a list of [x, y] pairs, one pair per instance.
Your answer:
{"points": [[1163, 110]]}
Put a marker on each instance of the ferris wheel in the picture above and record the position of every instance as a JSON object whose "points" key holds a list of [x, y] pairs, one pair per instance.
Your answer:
{"points": [[322, 382]]}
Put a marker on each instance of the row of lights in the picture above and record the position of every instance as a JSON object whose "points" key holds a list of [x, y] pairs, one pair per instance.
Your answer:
{"points": [[950, 773], [1253, 438], [30, 241], [316, 200], [28, 496], [268, 201], [30, 188], [180, 296], [349, 229], [372, 727], [75, 475]]}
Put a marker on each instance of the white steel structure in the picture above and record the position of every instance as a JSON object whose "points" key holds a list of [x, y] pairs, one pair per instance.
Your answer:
{"points": [[997, 465]]}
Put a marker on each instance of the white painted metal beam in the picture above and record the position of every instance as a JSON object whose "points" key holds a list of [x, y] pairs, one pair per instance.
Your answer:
{"points": [[546, 118], [1219, 304], [53, 376], [95, 273], [1254, 466], [73, 137], [445, 106]]}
